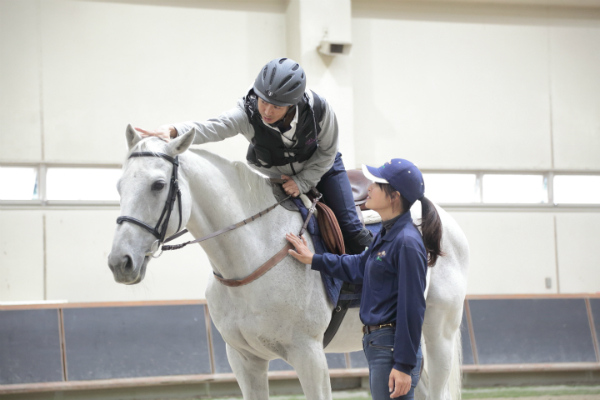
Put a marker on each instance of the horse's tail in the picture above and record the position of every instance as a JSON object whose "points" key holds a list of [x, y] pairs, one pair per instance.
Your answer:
{"points": [[454, 385], [455, 380]]}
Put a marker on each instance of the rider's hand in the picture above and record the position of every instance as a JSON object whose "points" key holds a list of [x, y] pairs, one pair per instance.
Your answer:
{"points": [[290, 186], [166, 132], [399, 383], [302, 253]]}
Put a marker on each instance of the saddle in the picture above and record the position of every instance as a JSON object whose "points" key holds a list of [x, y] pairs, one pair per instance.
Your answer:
{"points": [[328, 225], [334, 241], [360, 187]]}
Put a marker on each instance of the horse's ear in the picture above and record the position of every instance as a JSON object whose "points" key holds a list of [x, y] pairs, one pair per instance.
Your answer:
{"points": [[132, 137], [182, 143]]}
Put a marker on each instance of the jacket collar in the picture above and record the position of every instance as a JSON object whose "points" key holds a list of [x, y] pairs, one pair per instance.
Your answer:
{"points": [[397, 227]]}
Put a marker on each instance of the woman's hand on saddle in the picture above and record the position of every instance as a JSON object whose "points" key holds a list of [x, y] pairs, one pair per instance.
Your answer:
{"points": [[165, 132], [302, 253], [290, 186], [399, 383]]}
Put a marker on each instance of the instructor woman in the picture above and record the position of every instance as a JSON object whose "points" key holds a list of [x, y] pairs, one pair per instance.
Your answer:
{"points": [[392, 271]]}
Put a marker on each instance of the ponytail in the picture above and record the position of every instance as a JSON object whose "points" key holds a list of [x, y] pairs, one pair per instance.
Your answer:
{"points": [[431, 229], [431, 224]]}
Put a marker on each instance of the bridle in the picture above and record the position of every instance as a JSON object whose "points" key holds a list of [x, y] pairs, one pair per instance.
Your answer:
{"points": [[174, 195]]}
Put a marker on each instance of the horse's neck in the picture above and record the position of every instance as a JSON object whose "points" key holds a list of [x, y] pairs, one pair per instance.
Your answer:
{"points": [[223, 194]]}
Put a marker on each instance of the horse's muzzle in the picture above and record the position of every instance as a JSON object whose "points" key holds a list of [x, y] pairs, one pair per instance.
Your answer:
{"points": [[124, 269]]}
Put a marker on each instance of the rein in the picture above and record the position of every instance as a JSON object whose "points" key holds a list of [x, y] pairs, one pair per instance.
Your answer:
{"points": [[273, 261], [175, 195], [219, 232]]}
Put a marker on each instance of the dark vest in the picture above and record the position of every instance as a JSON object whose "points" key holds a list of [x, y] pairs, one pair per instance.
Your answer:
{"points": [[267, 144]]}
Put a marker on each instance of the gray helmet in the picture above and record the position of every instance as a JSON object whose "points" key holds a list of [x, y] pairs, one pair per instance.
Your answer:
{"points": [[281, 82]]}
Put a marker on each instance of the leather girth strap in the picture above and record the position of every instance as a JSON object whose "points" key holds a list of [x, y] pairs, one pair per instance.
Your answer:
{"points": [[337, 316]]}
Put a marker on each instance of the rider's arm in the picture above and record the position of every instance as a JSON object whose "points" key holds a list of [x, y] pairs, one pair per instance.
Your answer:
{"points": [[349, 268], [323, 158], [226, 125], [412, 269]]}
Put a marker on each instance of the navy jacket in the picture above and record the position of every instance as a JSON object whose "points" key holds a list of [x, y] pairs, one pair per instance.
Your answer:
{"points": [[393, 272]]}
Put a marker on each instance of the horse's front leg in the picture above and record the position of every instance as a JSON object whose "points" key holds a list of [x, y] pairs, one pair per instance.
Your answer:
{"points": [[251, 374], [308, 359]]}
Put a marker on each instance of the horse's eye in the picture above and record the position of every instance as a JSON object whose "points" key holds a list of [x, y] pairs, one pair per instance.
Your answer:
{"points": [[158, 185]]}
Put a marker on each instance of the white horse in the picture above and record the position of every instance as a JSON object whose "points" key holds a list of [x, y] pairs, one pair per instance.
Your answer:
{"points": [[284, 313]]}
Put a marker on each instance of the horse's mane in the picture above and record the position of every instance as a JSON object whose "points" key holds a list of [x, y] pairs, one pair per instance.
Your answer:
{"points": [[256, 187]]}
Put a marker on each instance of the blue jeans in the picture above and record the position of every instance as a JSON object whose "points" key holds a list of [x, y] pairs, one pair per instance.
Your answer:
{"points": [[379, 350], [337, 194]]}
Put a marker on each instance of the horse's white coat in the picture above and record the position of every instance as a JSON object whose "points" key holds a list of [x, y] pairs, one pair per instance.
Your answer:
{"points": [[284, 313]]}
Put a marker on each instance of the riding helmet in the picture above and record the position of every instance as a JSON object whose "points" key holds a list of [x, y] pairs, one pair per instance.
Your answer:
{"points": [[281, 82]]}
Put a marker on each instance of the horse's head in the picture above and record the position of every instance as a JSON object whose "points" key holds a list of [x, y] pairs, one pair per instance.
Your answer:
{"points": [[146, 188]]}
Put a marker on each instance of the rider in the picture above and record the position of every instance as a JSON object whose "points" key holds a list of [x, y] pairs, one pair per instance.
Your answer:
{"points": [[293, 134], [393, 274]]}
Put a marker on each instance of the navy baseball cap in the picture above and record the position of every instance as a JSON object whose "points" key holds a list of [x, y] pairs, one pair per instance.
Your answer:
{"points": [[403, 175]]}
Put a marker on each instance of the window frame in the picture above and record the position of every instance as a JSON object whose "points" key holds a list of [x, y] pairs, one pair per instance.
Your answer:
{"points": [[548, 176], [42, 200]]}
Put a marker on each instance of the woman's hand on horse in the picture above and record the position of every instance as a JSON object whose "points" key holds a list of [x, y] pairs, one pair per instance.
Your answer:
{"points": [[302, 253], [399, 383], [166, 132], [290, 186]]}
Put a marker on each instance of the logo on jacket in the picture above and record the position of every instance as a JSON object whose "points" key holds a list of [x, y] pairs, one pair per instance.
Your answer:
{"points": [[379, 255]]}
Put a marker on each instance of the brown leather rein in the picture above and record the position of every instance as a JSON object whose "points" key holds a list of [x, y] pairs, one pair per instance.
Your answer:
{"points": [[270, 263], [175, 195], [220, 231], [273, 261]]}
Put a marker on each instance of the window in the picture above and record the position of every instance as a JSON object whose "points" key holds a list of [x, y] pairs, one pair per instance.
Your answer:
{"points": [[577, 189], [514, 189], [18, 183], [451, 188], [82, 184]]}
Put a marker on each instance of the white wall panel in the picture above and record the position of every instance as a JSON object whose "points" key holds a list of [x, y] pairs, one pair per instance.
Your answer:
{"points": [[578, 236], [451, 94], [576, 94], [21, 256], [109, 64], [78, 246], [511, 253], [20, 135]]}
